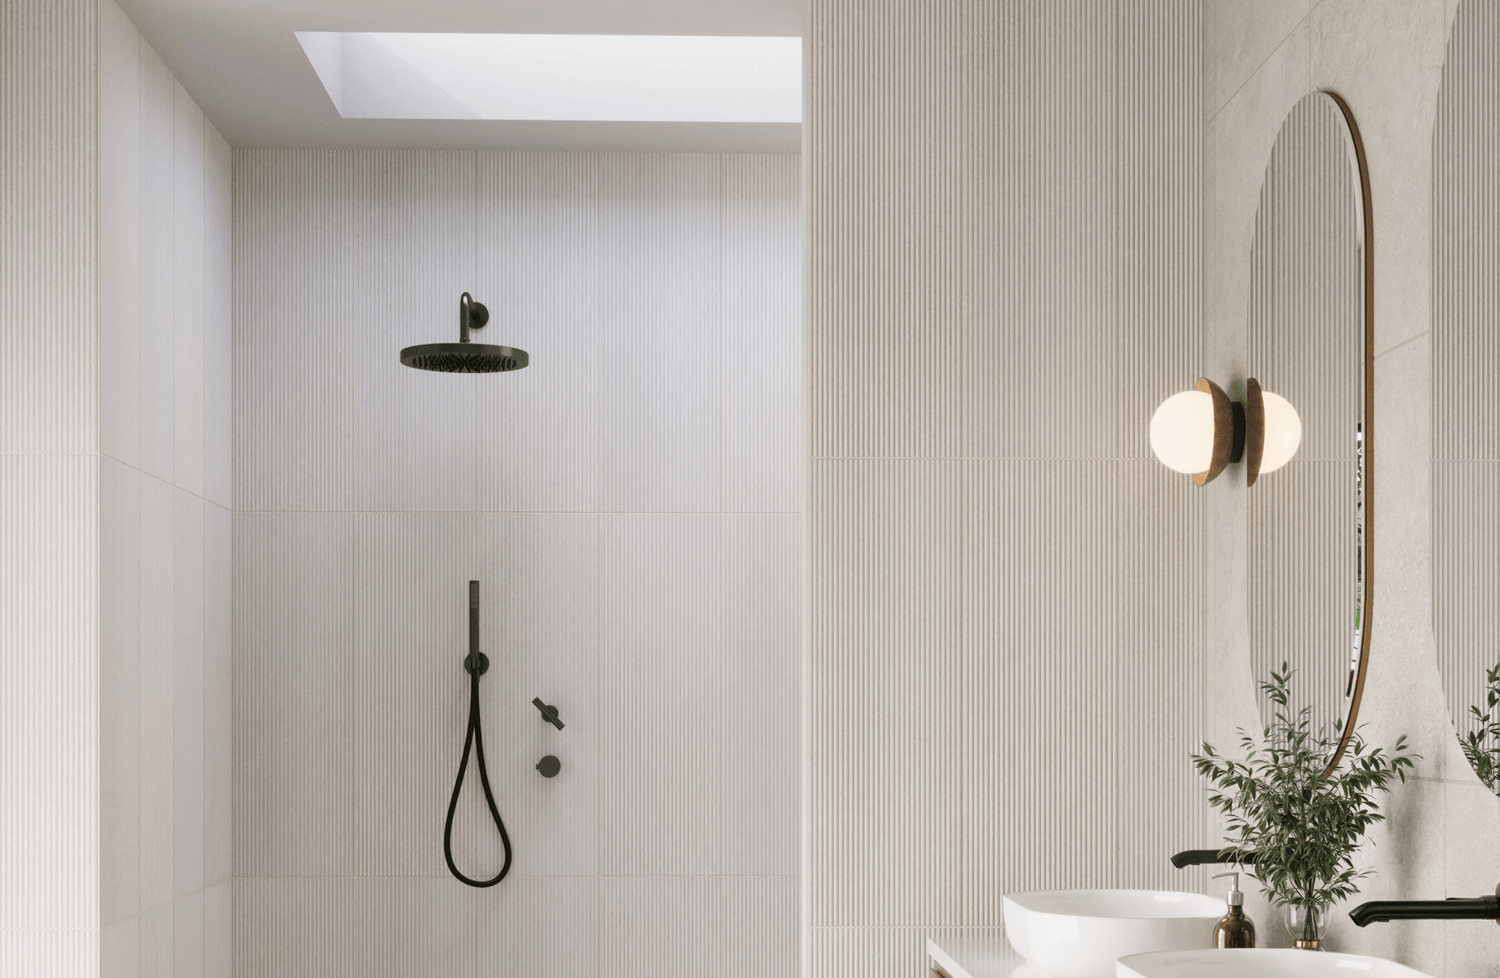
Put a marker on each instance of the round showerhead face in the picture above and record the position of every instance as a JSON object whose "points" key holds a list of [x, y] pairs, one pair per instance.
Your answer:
{"points": [[464, 358]]}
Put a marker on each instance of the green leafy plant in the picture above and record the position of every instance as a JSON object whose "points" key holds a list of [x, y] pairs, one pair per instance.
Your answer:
{"points": [[1482, 743], [1302, 827]]}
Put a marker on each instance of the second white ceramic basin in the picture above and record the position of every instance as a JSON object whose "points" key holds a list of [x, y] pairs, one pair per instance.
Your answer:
{"points": [[1260, 963], [1080, 933]]}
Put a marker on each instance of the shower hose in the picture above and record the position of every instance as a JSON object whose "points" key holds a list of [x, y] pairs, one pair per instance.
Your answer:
{"points": [[476, 664]]}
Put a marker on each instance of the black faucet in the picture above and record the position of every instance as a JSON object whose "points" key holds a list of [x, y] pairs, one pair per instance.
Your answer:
{"points": [[1209, 857], [1453, 908]]}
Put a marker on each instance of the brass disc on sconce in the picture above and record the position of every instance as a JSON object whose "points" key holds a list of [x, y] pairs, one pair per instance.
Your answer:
{"points": [[1255, 429], [1224, 432]]}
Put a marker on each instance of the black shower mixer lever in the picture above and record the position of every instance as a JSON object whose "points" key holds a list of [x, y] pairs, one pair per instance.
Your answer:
{"points": [[549, 713]]}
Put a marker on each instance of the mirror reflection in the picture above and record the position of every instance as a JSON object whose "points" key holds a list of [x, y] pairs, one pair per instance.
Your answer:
{"points": [[1308, 589], [1465, 360]]}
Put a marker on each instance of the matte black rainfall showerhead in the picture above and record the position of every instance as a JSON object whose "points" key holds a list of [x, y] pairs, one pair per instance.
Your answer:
{"points": [[465, 357]]}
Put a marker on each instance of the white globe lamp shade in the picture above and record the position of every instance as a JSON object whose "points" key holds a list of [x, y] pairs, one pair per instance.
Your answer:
{"points": [[1283, 432], [1182, 432]]}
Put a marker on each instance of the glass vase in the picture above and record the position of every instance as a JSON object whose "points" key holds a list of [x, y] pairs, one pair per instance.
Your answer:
{"points": [[1306, 928]]}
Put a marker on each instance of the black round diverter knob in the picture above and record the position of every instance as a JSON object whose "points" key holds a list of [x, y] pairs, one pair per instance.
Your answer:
{"points": [[549, 766]]}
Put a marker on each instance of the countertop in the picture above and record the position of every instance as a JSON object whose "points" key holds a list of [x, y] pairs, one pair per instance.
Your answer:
{"points": [[981, 956]]}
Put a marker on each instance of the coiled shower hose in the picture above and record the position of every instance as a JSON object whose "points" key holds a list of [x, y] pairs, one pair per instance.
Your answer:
{"points": [[476, 663]]}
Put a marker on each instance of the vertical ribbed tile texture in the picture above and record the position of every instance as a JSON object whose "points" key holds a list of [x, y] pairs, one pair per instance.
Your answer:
{"points": [[294, 723], [50, 555], [1041, 209], [120, 677], [537, 271], [413, 430], [411, 574], [156, 145], [1005, 258], [48, 240], [544, 925], [119, 235], [1465, 361], [762, 321], [1306, 343], [105, 250], [630, 505], [661, 779], [165, 628], [49, 735], [660, 332], [885, 769], [540, 624], [294, 220]]}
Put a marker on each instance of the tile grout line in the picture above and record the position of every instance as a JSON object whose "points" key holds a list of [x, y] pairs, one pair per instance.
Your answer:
{"points": [[1263, 62]]}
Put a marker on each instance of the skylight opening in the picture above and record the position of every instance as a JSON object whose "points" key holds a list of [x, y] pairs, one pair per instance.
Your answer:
{"points": [[576, 77]]}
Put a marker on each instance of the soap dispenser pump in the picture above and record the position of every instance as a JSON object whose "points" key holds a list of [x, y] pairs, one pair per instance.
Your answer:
{"points": [[1234, 929]]}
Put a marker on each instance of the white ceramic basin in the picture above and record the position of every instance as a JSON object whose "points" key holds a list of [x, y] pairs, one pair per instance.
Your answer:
{"points": [[1260, 963], [1080, 933]]}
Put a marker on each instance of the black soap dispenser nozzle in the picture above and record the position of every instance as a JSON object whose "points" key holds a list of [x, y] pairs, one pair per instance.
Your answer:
{"points": [[1234, 928]]}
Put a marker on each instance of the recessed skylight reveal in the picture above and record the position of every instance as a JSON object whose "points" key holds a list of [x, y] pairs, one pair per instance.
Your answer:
{"points": [[577, 77]]}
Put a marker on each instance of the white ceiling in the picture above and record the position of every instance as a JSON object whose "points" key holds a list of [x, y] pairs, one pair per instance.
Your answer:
{"points": [[242, 64]]}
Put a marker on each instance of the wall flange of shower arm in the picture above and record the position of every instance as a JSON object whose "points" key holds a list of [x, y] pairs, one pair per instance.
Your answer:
{"points": [[466, 356]]}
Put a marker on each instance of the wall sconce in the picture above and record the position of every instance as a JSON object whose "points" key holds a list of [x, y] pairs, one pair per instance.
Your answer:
{"points": [[1199, 432]]}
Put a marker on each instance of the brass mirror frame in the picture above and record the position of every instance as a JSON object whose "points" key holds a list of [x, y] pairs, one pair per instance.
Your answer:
{"points": [[1349, 682], [1367, 446]]}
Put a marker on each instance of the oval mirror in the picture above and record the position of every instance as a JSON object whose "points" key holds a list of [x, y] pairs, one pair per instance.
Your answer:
{"points": [[1309, 588], [1465, 361]]}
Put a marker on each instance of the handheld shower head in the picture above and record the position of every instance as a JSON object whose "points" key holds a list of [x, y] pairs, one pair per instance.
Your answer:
{"points": [[465, 357]]}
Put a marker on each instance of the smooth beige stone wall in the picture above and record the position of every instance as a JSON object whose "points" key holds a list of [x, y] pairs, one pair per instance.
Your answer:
{"points": [[1384, 57]]}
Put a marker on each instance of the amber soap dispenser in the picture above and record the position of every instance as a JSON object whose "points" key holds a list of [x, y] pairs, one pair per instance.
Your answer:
{"points": [[1235, 929]]}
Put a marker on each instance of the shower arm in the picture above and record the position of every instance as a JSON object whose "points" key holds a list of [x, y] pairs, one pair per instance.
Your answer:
{"points": [[471, 315]]}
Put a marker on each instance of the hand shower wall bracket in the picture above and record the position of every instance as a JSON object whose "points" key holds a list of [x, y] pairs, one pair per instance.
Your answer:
{"points": [[475, 664]]}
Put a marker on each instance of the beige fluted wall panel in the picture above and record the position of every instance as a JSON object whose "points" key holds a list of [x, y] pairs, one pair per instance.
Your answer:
{"points": [[113, 616], [49, 640], [164, 524], [49, 195], [1006, 598], [629, 505], [49, 491]]}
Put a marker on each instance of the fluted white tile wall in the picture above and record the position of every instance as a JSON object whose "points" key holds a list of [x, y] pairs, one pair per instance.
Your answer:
{"points": [[1004, 206], [49, 492], [49, 195], [540, 271], [629, 503], [49, 725], [106, 627], [165, 522], [294, 219]]}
